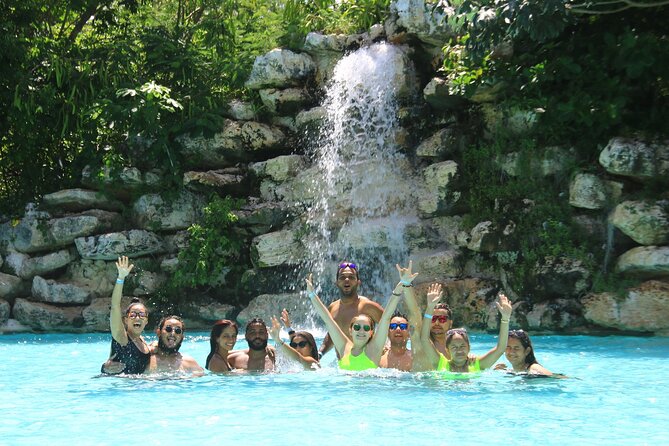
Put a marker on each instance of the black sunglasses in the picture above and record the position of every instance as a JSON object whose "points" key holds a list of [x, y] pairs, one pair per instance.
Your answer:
{"points": [[300, 344], [401, 326], [177, 330]]}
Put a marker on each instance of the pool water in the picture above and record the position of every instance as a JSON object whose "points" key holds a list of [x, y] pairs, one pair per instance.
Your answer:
{"points": [[617, 394]]}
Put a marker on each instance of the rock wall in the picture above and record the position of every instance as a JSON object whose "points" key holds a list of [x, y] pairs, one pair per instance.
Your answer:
{"points": [[57, 261]]}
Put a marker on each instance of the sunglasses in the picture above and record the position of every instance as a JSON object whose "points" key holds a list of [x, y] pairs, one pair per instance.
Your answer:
{"points": [[348, 265], [440, 319], [458, 331], [136, 314], [176, 330], [300, 344], [401, 326], [357, 327]]}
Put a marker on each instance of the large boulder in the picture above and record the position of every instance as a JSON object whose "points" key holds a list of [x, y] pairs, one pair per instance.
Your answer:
{"points": [[280, 68], [279, 169], [96, 315], [96, 276], [643, 309], [561, 277], [75, 200], [645, 261], [427, 20], [262, 217], [153, 212], [208, 310], [437, 93], [228, 181], [443, 142], [236, 142], [589, 191], [636, 159], [549, 161], [10, 286], [4, 311], [437, 199], [45, 317], [133, 243], [276, 248], [27, 267], [557, 315], [50, 291], [287, 101], [646, 222], [120, 182], [437, 265], [267, 305], [325, 50]]}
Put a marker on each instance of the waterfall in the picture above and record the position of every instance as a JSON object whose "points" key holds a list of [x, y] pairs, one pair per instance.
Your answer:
{"points": [[363, 191]]}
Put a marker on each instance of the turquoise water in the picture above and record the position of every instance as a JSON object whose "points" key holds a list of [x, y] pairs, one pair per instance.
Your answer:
{"points": [[50, 394]]}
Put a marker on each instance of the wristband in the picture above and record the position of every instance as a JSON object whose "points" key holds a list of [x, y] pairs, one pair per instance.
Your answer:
{"points": [[311, 294], [290, 330], [405, 282], [320, 355], [398, 294], [504, 320], [120, 281], [427, 315]]}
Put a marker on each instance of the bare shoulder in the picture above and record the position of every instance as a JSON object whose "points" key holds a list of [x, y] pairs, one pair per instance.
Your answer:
{"points": [[367, 305]]}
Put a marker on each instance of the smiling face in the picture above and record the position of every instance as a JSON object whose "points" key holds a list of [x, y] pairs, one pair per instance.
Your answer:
{"points": [[361, 330], [459, 349], [227, 339], [515, 353], [347, 282], [136, 319], [298, 340], [441, 322], [398, 336], [256, 336], [170, 336]]}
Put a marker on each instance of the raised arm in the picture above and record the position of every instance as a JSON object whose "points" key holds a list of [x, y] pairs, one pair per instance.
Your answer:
{"points": [[287, 349], [285, 318], [410, 299], [434, 294], [505, 309], [116, 317], [337, 336]]}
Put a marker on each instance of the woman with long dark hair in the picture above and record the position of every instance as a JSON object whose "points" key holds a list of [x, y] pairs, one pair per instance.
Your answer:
{"points": [[221, 341], [520, 353], [302, 347]]}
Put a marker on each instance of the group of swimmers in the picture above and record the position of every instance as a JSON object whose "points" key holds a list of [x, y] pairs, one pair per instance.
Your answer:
{"points": [[358, 328]]}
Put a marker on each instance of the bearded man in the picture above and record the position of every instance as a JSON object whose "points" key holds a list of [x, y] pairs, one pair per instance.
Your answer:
{"points": [[165, 356], [259, 356]]}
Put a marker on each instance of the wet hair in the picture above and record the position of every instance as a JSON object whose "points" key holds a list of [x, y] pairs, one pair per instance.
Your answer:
{"points": [[371, 320], [255, 320], [525, 341], [133, 302], [313, 352], [443, 306], [397, 313], [352, 266], [457, 331], [161, 323], [216, 332]]}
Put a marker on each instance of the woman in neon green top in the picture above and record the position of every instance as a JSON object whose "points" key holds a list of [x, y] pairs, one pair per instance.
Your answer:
{"points": [[457, 340], [362, 349]]}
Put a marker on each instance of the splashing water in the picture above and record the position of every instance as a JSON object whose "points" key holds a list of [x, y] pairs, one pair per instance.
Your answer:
{"points": [[363, 188]]}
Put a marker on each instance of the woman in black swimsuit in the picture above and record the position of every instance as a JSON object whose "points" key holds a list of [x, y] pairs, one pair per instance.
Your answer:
{"points": [[129, 352]]}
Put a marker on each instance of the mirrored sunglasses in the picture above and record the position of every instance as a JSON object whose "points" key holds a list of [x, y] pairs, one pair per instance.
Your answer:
{"points": [[357, 327], [401, 326]]}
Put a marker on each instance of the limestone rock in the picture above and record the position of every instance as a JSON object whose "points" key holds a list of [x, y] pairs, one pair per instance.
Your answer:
{"points": [[229, 181], [436, 200], [437, 265], [645, 261], [485, 237], [147, 283], [121, 182], [154, 213], [441, 143], [96, 276], [471, 300], [285, 102], [45, 317], [588, 191], [310, 120], [549, 161], [437, 93], [635, 158], [646, 222], [280, 68], [425, 19], [169, 265], [276, 248], [451, 230], [325, 50], [240, 111], [96, 315], [267, 305], [75, 200], [514, 120], [50, 291], [561, 277], [560, 314], [263, 217], [4, 312], [27, 267], [279, 169], [133, 243], [208, 309], [10, 286], [644, 308]]}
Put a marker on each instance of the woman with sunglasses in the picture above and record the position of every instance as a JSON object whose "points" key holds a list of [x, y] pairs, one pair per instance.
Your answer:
{"points": [[364, 348], [221, 341], [520, 353], [129, 352], [457, 340], [302, 347]]}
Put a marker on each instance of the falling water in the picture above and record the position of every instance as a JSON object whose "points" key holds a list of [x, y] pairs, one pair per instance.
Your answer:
{"points": [[363, 190]]}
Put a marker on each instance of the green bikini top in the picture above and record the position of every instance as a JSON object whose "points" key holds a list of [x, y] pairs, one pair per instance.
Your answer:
{"points": [[360, 362], [445, 366]]}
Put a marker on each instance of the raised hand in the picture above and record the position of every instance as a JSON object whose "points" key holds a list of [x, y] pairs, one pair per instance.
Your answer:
{"points": [[123, 267], [406, 276], [504, 306], [310, 285], [434, 294], [285, 318], [275, 330]]}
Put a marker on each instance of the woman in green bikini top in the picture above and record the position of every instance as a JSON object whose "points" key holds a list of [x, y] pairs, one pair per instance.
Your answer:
{"points": [[364, 348], [457, 340]]}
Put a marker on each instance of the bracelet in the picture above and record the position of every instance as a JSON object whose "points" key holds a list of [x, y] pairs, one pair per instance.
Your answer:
{"points": [[290, 330], [311, 294], [504, 320], [427, 315], [398, 294], [405, 282], [120, 281]]}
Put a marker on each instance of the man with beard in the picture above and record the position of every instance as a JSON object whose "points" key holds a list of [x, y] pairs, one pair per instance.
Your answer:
{"points": [[259, 356], [350, 304], [165, 356], [398, 356]]}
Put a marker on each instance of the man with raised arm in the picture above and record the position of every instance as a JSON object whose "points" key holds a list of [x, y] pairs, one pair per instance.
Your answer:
{"points": [[350, 304], [398, 356], [259, 356], [165, 356]]}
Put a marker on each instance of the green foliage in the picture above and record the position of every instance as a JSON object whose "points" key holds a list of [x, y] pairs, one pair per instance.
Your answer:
{"points": [[213, 248]]}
